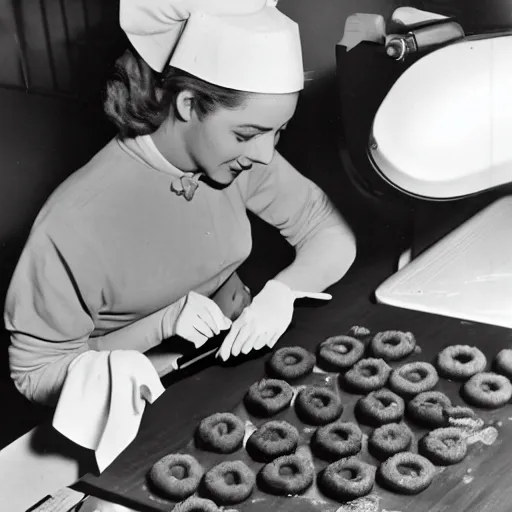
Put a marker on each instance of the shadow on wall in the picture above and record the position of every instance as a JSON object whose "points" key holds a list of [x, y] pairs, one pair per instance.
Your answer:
{"points": [[57, 46]]}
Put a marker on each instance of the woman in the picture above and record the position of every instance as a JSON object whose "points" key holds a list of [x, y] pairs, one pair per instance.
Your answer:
{"points": [[130, 249]]}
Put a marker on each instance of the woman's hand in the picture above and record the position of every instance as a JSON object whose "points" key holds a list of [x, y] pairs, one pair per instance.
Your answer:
{"points": [[265, 320], [195, 318], [262, 322]]}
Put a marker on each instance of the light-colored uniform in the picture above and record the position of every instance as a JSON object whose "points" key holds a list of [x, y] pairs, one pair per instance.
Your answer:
{"points": [[114, 246]]}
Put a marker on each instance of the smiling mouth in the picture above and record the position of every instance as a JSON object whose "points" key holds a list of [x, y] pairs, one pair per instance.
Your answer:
{"points": [[240, 168]]}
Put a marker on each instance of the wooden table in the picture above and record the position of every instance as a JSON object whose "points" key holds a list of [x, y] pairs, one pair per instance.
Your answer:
{"points": [[482, 482]]}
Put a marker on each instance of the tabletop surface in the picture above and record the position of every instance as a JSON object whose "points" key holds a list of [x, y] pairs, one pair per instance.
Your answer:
{"points": [[482, 482]]}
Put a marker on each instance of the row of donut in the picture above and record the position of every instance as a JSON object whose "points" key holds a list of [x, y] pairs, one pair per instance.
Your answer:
{"points": [[318, 405], [287, 473], [343, 351], [363, 375], [275, 442]]}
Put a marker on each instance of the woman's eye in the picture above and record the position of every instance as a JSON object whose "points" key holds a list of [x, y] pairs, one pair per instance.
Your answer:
{"points": [[243, 138]]}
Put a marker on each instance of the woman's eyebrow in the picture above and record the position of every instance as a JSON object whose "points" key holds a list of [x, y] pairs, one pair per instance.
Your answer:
{"points": [[256, 127], [259, 127]]}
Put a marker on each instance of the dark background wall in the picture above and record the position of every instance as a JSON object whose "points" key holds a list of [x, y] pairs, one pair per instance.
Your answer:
{"points": [[54, 59]]}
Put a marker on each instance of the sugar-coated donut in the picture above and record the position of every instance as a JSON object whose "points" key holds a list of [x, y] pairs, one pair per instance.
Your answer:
{"points": [[460, 362], [229, 482], [413, 378], [291, 363], [389, 439], [428, 408], [337, 440], [503, 362], [464, 418], [318, 405], [367, 375], [176, 475], [407, 473], [347, 479], [444, 446], [289, 474], [340, 352], [222, 432], [271, 440], [359, 331], [379, 407], [488, 390], [268, 397], [393, 345], [195, 504]]}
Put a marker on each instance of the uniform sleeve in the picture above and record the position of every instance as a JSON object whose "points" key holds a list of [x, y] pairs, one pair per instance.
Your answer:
{"points": [[305, 216], [53, 299]]}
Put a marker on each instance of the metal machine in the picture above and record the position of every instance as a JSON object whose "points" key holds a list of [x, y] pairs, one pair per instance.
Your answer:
{"points": [[441, 132]]}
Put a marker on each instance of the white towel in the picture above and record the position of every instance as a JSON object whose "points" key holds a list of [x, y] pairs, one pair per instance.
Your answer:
{"points": [[103, 399]]}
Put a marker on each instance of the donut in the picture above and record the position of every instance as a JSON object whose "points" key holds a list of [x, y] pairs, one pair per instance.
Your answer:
{"points": [[291, 363], [337, 440], [428, 408], [229, 482], [379, 407], [318, 405], [393, 345], [390, 439], [407, 473], [271, 440], [444, 446], [464, 418], [195, 504], [340, 352], [176, 475], [460, 362], [347, 479], [413, 378], [289, 474], [222, 432], [268, 397], [359, 331], [503, 362], [367, 375], [488, 390]]}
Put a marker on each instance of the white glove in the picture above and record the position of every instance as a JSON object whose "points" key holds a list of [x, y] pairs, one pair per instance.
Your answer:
{"points": [[195, 318], [265, 320]]}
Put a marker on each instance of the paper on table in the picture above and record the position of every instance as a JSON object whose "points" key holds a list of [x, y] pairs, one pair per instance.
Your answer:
{"points": [[103, 399], [466, 275], [363, 27]]}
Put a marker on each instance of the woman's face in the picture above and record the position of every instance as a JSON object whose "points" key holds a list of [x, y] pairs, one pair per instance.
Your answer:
{"points": [[226, 142]]}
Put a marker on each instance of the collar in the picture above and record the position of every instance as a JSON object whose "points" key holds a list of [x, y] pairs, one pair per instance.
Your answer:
{"points": [[183, 183]]}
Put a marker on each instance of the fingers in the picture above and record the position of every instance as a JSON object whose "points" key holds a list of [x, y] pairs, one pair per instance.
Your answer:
{"points": [[194, 336], [225, 349], [210, 312], [261, 342], [253, 344], [245, 335], [273, 340], [313, 295]]}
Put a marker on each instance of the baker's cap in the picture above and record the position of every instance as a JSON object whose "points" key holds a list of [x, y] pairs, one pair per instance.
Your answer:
{"points": [[248, 45]]}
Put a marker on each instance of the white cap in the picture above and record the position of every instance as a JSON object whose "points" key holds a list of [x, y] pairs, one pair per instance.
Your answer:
{"points": [[248, 45]]}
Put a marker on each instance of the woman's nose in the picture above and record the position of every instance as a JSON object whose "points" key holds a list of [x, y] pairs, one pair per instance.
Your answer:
{"points": [[262, 149]]}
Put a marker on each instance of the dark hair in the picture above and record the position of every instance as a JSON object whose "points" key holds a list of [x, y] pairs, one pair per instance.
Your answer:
{"points": [[138, 99]]}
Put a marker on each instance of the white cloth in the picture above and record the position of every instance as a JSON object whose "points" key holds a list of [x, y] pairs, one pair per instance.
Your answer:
{"points": [[102, 401]]}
